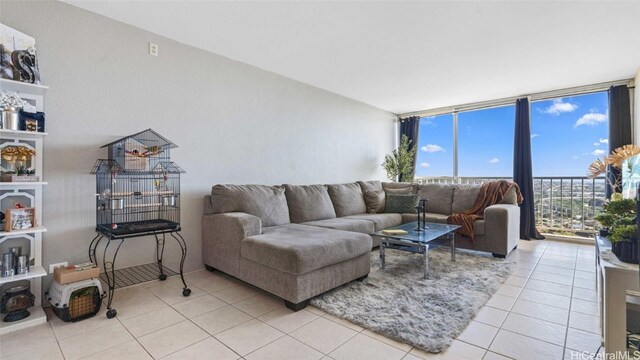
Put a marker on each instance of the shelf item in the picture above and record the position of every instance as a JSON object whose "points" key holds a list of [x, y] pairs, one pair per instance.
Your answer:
{"points": [[34, 272], [19, 219]]}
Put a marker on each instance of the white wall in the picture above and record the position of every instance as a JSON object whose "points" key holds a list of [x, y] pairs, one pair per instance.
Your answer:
{"points": [[233, 123]]}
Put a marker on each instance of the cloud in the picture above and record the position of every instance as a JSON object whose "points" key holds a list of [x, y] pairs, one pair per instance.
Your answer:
{"points": [[592, 119], [560, 106], [494, 161], [431, 148], [427, 121], [574, 157], [424, 165], [600, 142], [598, 152], [534, 135]]}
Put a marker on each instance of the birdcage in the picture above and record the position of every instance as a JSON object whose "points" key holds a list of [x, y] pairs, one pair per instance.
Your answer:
{"points": [[137, 187]]}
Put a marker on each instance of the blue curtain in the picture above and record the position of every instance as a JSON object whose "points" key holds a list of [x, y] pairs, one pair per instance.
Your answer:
{"points": [[522, 170], [410, 127], [619, 127]]}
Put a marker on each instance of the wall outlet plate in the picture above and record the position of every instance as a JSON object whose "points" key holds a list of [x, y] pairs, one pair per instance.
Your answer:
{"points": [[153, 49], [57, 265]]}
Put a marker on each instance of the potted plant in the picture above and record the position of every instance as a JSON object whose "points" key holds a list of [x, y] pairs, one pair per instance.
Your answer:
{"points": [[619, 217], [399, 164], [11, 103]]}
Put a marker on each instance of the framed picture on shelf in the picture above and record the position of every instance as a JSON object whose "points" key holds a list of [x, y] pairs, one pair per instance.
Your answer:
{"points": [[31, 121], [19, 219]]}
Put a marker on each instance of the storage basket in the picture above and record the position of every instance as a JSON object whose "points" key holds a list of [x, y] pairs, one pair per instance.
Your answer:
{"points": [[75, 301]]}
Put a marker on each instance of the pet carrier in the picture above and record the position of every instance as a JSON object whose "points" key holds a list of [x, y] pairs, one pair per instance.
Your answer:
{"points": [[75, 301]]}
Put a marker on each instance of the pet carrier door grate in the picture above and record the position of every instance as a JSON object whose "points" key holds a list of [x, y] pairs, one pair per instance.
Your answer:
{"points": [[137, 194]]}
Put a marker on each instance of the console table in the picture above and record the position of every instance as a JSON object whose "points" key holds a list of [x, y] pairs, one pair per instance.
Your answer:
{"points": [[614, 279]]}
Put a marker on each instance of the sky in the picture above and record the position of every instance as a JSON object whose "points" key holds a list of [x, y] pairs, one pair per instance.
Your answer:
{"points": [[567, 134]]}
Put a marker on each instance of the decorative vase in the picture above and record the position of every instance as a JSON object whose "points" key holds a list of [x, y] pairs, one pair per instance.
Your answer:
{"points": [[626, 250], [11, 118]]}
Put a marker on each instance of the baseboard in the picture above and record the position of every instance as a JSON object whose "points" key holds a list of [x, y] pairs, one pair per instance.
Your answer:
{"points": [[570, 239]]}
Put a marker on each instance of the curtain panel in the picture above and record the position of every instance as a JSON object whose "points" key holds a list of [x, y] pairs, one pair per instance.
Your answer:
{"points": [[523, 172], [410, 127], [619, 128]]}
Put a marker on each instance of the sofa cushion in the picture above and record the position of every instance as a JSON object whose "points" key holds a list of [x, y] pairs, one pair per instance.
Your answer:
{"points": [[375, 200], [401, 203], [381, 221], [431, 217], [464, 197], [439, 197], [361, 226], [373, 185], [308, 203], [266, 202], [299, 249], [399, 188], [347, 199]]}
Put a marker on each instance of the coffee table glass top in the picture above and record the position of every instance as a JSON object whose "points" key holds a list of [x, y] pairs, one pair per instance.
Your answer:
{"points": [[433, 231]]}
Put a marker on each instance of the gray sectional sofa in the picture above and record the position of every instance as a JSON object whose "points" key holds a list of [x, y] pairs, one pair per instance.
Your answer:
{"points": [[298, 241]]}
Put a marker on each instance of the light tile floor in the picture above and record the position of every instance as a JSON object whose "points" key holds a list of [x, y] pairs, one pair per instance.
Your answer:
{"points": [[546, 310]]}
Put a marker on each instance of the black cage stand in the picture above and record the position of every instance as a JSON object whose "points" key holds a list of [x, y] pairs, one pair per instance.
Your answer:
{"points": [[109, 264]]}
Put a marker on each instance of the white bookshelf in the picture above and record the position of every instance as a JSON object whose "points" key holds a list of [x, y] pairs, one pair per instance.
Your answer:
{"points": [[30, 194]]}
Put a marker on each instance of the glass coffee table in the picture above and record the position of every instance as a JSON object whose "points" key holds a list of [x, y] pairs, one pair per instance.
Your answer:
{"points": [[418, 241]]}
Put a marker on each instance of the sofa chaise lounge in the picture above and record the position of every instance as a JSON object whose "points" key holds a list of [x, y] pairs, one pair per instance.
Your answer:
{"points": [[299, 241]]}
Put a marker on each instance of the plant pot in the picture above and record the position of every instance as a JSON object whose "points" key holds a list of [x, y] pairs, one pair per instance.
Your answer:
{"points": [[11, 118], [626, 250]]}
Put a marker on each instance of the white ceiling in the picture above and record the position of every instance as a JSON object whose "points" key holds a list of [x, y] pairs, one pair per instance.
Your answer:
{"points": [[407, 56]]}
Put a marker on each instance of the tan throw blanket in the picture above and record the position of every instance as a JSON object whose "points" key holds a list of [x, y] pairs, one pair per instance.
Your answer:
{"points": [[491, 193]]}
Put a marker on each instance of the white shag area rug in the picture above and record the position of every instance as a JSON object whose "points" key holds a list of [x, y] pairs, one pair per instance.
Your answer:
{"points": [[398, 302]]}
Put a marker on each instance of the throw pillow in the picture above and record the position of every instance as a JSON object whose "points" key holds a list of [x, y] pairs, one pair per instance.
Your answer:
{"points": [[402, 191], [401, 203], [375, 201]]}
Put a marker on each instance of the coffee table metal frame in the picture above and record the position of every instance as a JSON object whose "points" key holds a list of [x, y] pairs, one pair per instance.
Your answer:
{"points": [[418, 242]]}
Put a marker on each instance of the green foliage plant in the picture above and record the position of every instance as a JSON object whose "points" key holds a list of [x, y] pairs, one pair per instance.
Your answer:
{"points": [[619, 216], [400, 162]]}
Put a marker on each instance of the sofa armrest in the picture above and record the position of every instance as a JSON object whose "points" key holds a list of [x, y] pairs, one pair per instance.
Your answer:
{"points": [[502, 227], [221, 237]]}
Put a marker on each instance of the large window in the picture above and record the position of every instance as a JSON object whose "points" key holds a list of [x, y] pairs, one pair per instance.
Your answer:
{"points": [[485, 142], [435, 146], [567, 134]]}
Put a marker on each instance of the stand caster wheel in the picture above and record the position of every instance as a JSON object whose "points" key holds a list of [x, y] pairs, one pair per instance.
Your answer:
{"points": [[186, 292], [111, 313], [162, 277]]}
